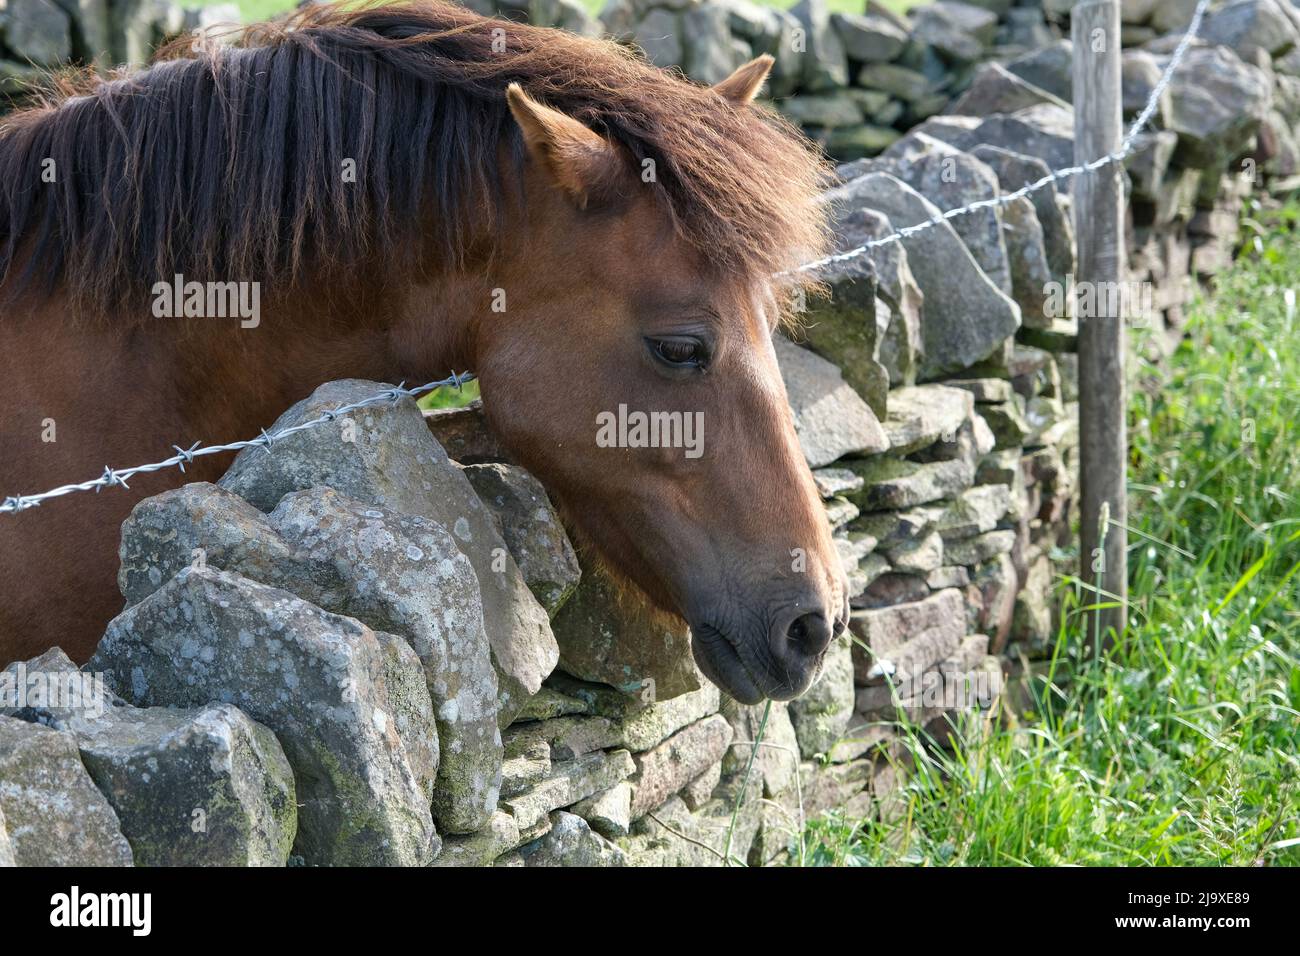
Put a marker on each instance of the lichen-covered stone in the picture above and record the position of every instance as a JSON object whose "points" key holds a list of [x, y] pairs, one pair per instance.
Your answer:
{"points": [[405, 575], [666, 769], [830, 418], [385, 456], [609, 812], [569, 782], [822, 714], [659, 721], [53, 813], [348, 704], [532, 530], [571, 842]]}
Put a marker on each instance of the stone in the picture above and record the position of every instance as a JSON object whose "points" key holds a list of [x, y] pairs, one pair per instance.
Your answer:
{"points": [[1031, 620], [667, 768], [1015, 170], [199, 787], [37, 31], [699, 791], [831, 482], [891, 484], [674, 836], [823, 109], [951, 178], [885, 632], [570, 781], [659, 35], [953, 284], [919, 556], [869, 38], [959, 31], [406, 576], [1007, 422], [974, 550], [657, 722], [1050, 68], [1216, 104], [975, 511], [838, 322], [710, 56], [995, 89], [532, 531], [609, 812], [910, 86], [499, 835], [1031, 274], [6, 845], [830, 418], [385, 456], [607, 637], [527, 762], [984, 390], [568, 738], [949, 576], [859, 141], [548, 703], [348, 704], [1140, 71], [464, 434], [892, 588], [825, 64], [566, 14], [1251, 27], [997, 583], [922, 415], [571, 842], [776, 761], [898, 326], [822, 714], [53, 814]]}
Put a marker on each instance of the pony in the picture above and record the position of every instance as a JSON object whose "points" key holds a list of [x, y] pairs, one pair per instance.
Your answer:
{"points": [[408, 189]]}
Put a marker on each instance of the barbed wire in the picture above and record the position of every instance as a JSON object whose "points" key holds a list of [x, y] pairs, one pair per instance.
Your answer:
{"points": [[1119, 155], [119, 477], [184, 456]]}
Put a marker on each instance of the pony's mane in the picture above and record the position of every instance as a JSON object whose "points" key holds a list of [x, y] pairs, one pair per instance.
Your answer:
{"points": [[226, 163]]}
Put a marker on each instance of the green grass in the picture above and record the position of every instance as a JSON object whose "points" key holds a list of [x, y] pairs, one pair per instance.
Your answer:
{"points": [[1182, 745], [254, 10]]}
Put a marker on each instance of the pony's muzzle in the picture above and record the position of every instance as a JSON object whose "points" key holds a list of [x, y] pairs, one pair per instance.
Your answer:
{"points": [[798, 642]]}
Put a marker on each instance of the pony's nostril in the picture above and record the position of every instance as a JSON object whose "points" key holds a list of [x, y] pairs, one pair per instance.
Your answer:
{"points": [[809, 635]]}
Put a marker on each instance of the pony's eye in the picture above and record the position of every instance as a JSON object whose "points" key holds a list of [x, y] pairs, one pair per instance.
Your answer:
{"points": [[679, 352]]}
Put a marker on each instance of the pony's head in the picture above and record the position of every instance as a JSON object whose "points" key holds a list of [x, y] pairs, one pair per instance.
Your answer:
{"points": [[631, 365]]}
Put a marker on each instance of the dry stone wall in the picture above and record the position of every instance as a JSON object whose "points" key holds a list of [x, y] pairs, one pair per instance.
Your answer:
{"points": [[378, 646]]}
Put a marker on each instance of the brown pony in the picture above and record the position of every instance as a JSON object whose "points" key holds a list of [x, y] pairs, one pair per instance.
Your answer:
{"points": [[415, 188]]}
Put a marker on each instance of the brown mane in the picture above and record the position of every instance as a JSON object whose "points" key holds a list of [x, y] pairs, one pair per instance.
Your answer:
{"points": [[226, 164]]}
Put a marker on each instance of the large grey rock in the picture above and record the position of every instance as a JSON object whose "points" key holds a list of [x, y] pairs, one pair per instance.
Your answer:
{"points": [[898, 308], [950, 178], [965, 317], [397, 573], [53, 813], [532, 530], [1216, 104], [571, 842], [821, 716], [995, 89], [869, 37], [499, 835], [1251, 27], [1044, 131], [1031, 273], [610, 637], [1015, 170], [910, 86], [385, 456], [710, 56], [348, 704], [823, 109], [406, 576], [609, 812], [659, 34], [660, 720], [830, 418], [825, 64], [1050, 68], [839, 323], [959, 31], [190, 787], [37, 31]]}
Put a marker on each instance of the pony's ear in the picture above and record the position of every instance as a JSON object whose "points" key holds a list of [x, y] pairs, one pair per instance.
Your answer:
{"points": [[580, 162], [743, 85]]}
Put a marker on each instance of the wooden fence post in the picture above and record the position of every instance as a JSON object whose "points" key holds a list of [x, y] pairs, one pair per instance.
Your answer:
{"points": [[1102, 270]]}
